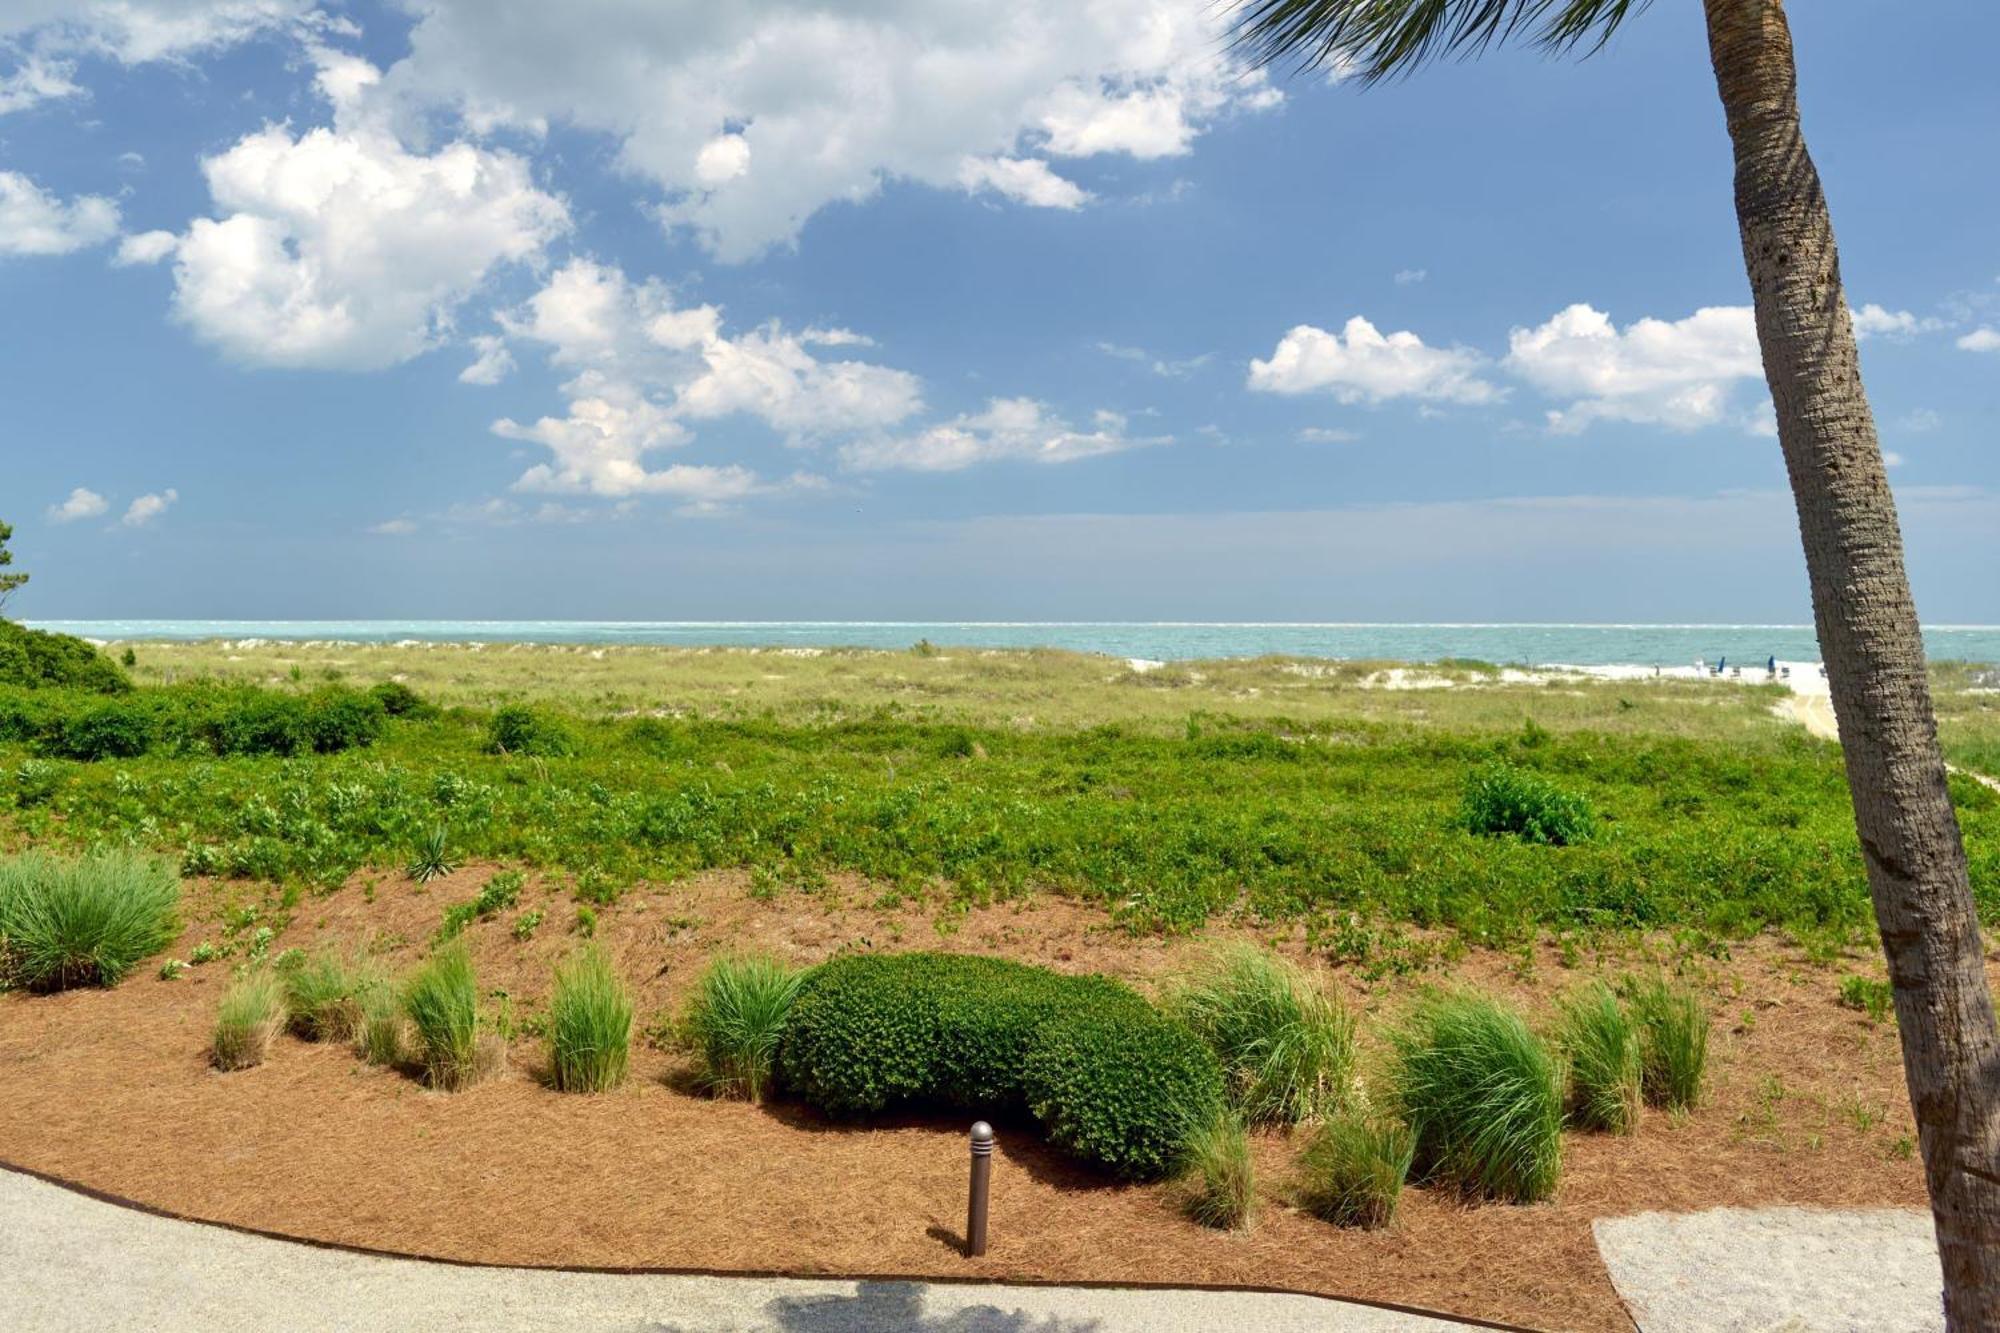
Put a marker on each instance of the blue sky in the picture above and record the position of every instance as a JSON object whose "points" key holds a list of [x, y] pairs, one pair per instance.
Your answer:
{"points": [[901, 309]]}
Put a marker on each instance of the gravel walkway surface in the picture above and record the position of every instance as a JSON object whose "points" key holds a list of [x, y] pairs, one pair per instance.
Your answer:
{"points": [[74, 1262], [1766, 1270]]}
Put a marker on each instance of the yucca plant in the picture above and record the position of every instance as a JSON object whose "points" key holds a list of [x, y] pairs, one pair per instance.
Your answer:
{"points": [[1483, 1096], [1220, 1180], [432, 860], [1673, 1043], [1286, 1046], [736, 1019], [442, 1002], [85, 922], [1601, 1045], [590, 1024], [249, 1015], [1352, 1171]]}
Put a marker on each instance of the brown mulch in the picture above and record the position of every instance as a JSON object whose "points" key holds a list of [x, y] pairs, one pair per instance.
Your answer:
{"points": [[111, 1089]]}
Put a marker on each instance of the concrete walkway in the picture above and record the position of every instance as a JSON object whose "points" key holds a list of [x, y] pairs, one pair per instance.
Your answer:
{"points": [[73, 1262], [1776, 1270]]}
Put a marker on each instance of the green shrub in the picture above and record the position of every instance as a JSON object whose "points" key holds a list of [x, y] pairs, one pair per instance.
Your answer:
{"points": [[1871, 995], [1602, 1046], [323, 996], [116, 730], [875, 1031], [1352, 1172], [39, 659], [399, 700], [442, 1002], [1120, 1089], [590, 1024], [380, 1040], [256, 722], [1109, 1078], [83, 922], [1501, 798], [248, 1016], [338, 719], [1483, 1096], [518, 729], [1673, 1043], [1221, 1181], [1287, 1048], [735, 1022]]}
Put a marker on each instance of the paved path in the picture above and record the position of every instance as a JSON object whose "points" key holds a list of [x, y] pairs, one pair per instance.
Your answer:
{"points": [[1777, 1270], [73, 1262], [1813, 710]]}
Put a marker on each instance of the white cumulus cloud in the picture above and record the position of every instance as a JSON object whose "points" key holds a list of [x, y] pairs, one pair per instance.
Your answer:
{"points": [[338, 248], [1983, 339], [81, 503], [1363, 364], [1680, 374], [149, 507], [35, 222], [491, 361], [1009, 428], [749, 117], [146, 247], [48, 36]]}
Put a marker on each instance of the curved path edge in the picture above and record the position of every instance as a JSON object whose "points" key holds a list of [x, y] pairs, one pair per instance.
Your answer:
{"points": [[83, 1258]]}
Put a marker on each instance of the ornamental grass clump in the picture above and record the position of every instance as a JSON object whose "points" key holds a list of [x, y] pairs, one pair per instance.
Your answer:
{"points": [[1220, 1185], [736, 1021], [251, 1012], [1483, 1096], [1601, 1045], [1673, 1043], [442, 1003], [1352, 1171], [590, 1024], [1286, 1047], [83, 922], [381, 1037], [323, 997]]}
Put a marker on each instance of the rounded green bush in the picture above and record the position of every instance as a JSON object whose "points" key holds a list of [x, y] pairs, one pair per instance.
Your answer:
{"points": [[1122, 1093], [342, 719], [398, 699], [1112, 1080], [518, 729], [260, 723], [107, 731], [1503, 799]]}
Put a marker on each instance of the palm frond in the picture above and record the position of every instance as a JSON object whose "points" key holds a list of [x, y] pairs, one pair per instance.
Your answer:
{"points": [[1373, 39]]}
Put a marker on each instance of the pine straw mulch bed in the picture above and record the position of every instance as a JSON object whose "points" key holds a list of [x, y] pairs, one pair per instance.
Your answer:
{"points": [[111, 1089]]}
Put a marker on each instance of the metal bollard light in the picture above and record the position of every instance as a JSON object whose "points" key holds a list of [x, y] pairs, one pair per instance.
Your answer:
{"points": [[982, 1187]]}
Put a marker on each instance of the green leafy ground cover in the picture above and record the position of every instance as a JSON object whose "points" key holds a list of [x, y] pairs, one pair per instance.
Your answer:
{"points": [[1721, 821]]}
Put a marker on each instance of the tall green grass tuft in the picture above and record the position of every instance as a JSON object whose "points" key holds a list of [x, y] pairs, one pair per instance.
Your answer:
{"points": [[1220, 1187], [442, 1002], [736, 1019], [1286, 1047], [1602, 1046], [323, 997], [249, 1015], [1501, 798], [1483, 1095], [590, 1024], [381, 1037], [1673, 1043], [1352, 1171], [83, 922]]}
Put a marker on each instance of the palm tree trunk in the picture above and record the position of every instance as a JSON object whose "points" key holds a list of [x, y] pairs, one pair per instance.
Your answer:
{"points": [[1874, 654]]}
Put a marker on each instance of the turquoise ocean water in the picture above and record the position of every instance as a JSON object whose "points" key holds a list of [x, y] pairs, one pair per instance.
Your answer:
{"points": [[1577, 645]]}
